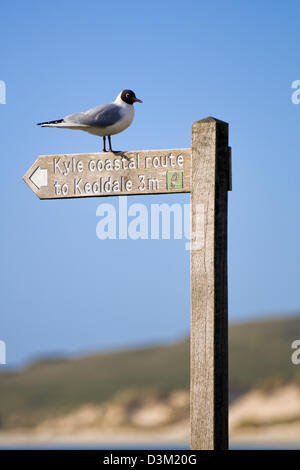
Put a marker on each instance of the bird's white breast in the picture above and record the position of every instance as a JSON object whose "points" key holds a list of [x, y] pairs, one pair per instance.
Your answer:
{"points": [[127, 115]]}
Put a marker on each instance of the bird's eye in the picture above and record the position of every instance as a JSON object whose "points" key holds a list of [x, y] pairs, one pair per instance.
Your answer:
{"points": [[127, 95]]}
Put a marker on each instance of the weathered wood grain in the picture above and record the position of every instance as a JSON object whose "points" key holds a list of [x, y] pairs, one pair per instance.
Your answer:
{"points": [[209, 311], [109, 174]]}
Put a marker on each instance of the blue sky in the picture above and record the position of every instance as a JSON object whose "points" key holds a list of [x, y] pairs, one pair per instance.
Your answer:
{"points": [[64, 290]]}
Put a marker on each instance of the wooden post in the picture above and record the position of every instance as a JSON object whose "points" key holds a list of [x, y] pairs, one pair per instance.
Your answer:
{"points": [[209, 310]]}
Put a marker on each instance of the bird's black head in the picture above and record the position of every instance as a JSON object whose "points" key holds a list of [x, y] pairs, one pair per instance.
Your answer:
{"points": [[128, 96]]}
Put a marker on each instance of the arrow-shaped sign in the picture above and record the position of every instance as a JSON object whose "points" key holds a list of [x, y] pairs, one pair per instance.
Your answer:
{"points": [[111, 174], [39, 177]]}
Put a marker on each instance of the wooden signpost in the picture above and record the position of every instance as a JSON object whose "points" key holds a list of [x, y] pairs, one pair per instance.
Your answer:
{"points": [[205, 172], [111, 174]]}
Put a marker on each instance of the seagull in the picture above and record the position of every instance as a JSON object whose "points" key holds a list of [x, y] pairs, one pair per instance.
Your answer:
{"points": [[104, 120]]}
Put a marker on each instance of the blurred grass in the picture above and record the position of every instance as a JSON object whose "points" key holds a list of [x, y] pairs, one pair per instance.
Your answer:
{"points": [[54, 387], [259, 355], [260, 352]]}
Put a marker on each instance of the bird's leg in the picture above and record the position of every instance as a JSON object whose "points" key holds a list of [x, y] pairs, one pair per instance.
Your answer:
{"points": [[104, 149], [109, 141]]}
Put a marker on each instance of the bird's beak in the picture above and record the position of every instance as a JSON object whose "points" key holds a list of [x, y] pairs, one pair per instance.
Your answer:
{"points": [[137, 100]]}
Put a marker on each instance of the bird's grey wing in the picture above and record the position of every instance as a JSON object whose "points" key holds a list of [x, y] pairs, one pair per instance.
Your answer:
{"points": [[101, 116]]}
